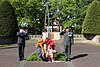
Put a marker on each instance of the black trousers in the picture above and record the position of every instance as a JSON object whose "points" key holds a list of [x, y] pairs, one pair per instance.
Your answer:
{"points": [[21, 51]]}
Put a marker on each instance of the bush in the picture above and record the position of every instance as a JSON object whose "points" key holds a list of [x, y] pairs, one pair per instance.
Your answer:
{"points": [[33, 57], [91, 24], [8, 20], [58, 57], [0, 1], [8, 23]]}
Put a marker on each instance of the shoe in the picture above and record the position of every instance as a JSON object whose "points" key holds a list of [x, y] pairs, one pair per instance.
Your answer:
{"points": [[68, 59], [21, 59]]}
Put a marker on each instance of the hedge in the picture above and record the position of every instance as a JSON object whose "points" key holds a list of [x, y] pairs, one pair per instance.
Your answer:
{"points": [[91, 24], [8, 20]]}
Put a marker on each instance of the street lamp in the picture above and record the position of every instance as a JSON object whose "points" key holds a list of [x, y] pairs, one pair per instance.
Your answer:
{"points": [[47, 14]]}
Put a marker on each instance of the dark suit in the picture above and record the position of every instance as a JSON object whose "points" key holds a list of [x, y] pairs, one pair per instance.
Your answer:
{"points": [[67, 42], [21, 44]]}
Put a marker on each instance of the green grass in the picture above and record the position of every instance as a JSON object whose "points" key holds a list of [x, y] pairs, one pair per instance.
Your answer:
{"points": [[4, 45], [93, 43]]}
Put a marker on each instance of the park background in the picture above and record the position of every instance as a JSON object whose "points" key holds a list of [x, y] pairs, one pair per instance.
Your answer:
{"points": [[36, 15], [39, 16]]}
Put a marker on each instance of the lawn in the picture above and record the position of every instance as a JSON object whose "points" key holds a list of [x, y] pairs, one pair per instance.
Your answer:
{"points": [[92, 43], [95, 44], [4, 45]]}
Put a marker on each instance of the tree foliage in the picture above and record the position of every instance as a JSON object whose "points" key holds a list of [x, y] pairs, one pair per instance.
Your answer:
{"points": [[28, 11], [91, 23], [8, 21], [0, 1], [69, 12]]}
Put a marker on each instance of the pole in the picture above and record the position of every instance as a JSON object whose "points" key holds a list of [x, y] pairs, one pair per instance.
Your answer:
{"points": [[48, 21], [45, 14]]}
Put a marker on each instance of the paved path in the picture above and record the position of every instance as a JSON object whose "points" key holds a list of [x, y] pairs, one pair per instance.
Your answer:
{"points": [[9, 55], [48, 64], [83, 55]]}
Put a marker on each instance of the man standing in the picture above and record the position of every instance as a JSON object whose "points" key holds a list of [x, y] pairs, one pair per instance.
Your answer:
{"points": [[21, 43], [67, 42]]}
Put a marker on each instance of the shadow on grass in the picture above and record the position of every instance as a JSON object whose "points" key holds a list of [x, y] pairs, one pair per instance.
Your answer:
{"points": [[79, 56]]}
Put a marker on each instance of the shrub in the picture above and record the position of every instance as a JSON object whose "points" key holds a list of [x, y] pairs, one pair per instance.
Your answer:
{"points": [[8, 23], [8, 20], [91, 24], [33, 57], [58, 57], [0, 1]]}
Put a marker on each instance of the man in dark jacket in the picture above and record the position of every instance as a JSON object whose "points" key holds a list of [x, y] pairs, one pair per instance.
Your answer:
{"points": [[21, 43], [67, 42]]}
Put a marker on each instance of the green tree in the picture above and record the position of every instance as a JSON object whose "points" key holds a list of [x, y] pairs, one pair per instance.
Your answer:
{"points": [[8, 21], [70, 12], [80, 12], [91, 23], [30, 12], [0, 1]]}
